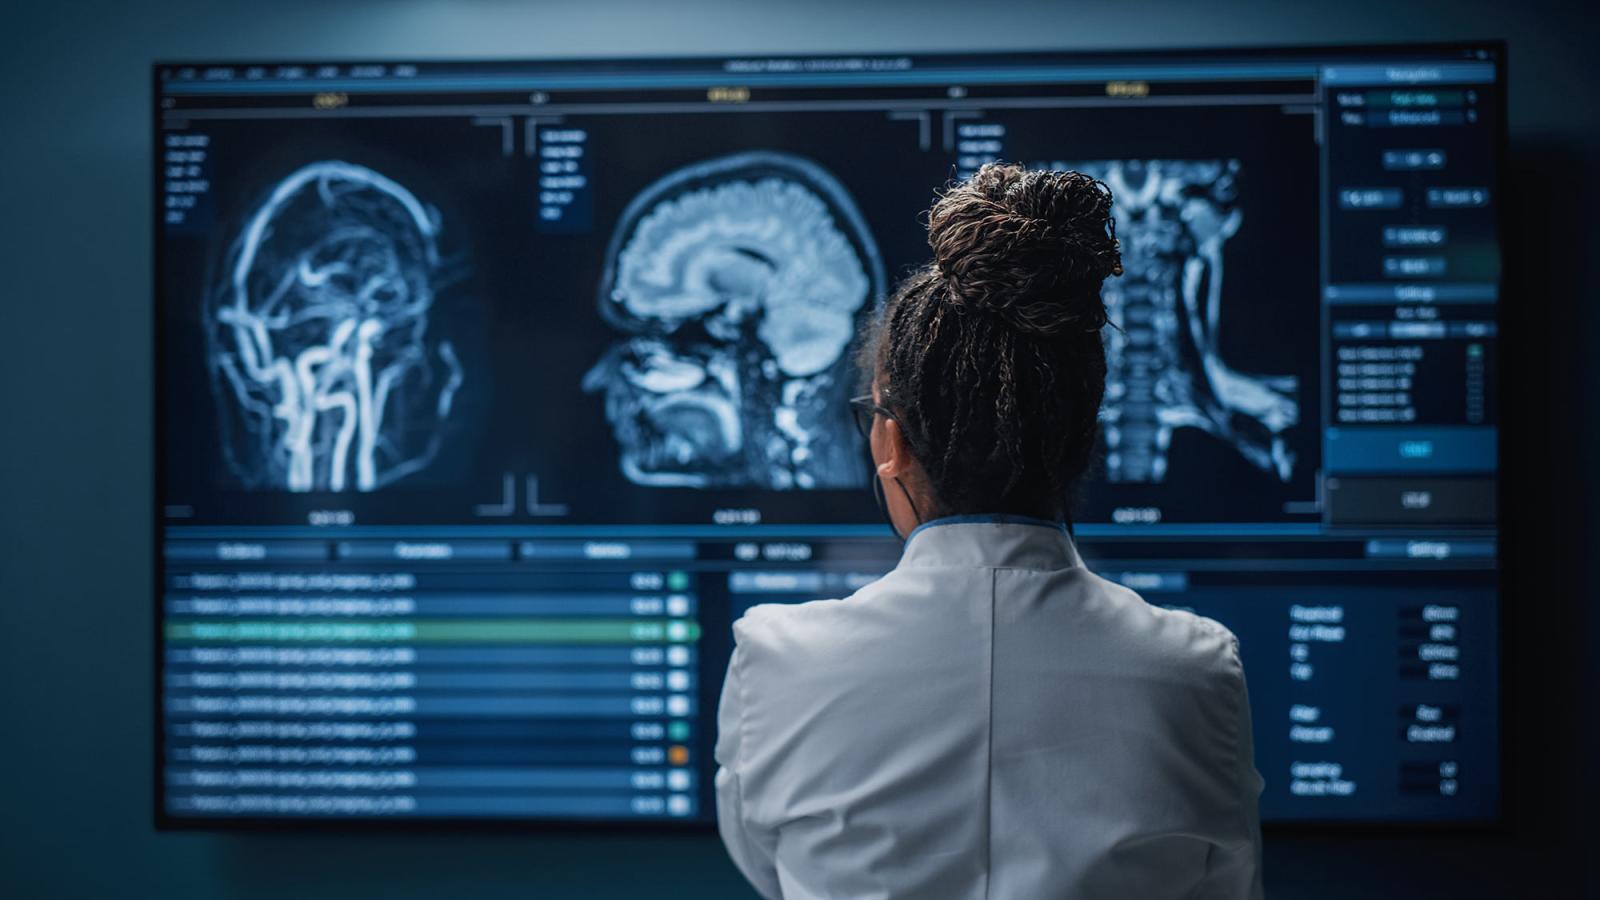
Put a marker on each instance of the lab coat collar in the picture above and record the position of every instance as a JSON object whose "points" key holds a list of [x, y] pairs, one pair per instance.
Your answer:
{"points": [[999, 541]]}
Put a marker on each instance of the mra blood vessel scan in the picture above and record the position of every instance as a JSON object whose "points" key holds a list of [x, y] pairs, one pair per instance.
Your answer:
{"points": [[1165, 369], [326, 375], [738, 283]]}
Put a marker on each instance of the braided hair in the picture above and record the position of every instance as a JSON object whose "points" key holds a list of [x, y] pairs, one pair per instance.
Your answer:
{"points": [[990, 355]]}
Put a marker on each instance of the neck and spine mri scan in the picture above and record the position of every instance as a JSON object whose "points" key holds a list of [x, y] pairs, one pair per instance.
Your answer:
{"points": [[326, 375], [740, 282], [1164, 358]]}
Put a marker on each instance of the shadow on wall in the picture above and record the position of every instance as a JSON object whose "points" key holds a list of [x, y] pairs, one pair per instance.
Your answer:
{"points": [[74, 569], [534, 864]]}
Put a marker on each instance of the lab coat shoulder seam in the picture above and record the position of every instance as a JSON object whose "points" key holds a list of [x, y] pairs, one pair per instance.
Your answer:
{"points": [[1236, 692], [988, 710]]}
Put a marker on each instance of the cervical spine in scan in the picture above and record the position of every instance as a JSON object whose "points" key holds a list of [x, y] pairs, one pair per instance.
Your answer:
{"points": [[320, 356], [738, 285], [1165, 367]]}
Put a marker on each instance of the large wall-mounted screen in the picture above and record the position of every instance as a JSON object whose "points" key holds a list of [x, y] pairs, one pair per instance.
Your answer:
{"points": [[490, 393]]}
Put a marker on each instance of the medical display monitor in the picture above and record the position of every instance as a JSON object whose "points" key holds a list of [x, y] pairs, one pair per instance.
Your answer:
{"points": [[489, 395]]}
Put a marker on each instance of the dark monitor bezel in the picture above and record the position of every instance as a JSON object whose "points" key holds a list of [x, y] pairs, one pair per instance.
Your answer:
{"points": [[164, 821]]}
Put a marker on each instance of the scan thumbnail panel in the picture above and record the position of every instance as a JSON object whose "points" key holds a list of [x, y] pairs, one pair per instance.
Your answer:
{"points": [[376, 323], [323, 369]]}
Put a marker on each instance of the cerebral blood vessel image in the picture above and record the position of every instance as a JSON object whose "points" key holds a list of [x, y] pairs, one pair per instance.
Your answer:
{"points": [[1165, 368], [320, 353], [739, 281]]}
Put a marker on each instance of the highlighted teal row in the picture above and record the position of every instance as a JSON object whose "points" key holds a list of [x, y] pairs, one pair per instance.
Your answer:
{"points": [[446, 631]]}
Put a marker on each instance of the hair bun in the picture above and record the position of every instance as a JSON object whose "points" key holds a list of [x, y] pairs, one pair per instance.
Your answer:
{"points": [[1031, 247]]}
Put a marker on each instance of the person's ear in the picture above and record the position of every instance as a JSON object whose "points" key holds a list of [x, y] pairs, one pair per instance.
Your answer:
{"points": [[897, 456]]}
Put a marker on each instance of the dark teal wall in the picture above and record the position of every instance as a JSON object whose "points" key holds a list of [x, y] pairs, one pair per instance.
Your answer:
{"points": [[75, 398]]}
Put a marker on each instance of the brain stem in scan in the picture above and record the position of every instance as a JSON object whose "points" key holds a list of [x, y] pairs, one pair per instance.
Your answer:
{"points": [[737, 284], [1165, 368]]}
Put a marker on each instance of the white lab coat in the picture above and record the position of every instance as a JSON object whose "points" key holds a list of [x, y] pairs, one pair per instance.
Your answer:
{"points": [[989, 720]]}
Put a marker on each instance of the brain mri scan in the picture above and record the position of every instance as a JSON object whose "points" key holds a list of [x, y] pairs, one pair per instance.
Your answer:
{"points": [[1165, 367], [737, 285], [320, 353]]}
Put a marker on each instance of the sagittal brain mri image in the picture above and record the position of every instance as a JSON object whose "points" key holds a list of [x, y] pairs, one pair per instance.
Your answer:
{"points": [[1166, 372], [738, 285], [320, 354]]}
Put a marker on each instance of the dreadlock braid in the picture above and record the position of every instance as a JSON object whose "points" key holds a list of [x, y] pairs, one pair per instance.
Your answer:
{"points": [[990, 354]]}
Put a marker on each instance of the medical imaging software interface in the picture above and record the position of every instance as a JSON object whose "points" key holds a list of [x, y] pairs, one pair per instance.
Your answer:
{"points": [[491, 394]]}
